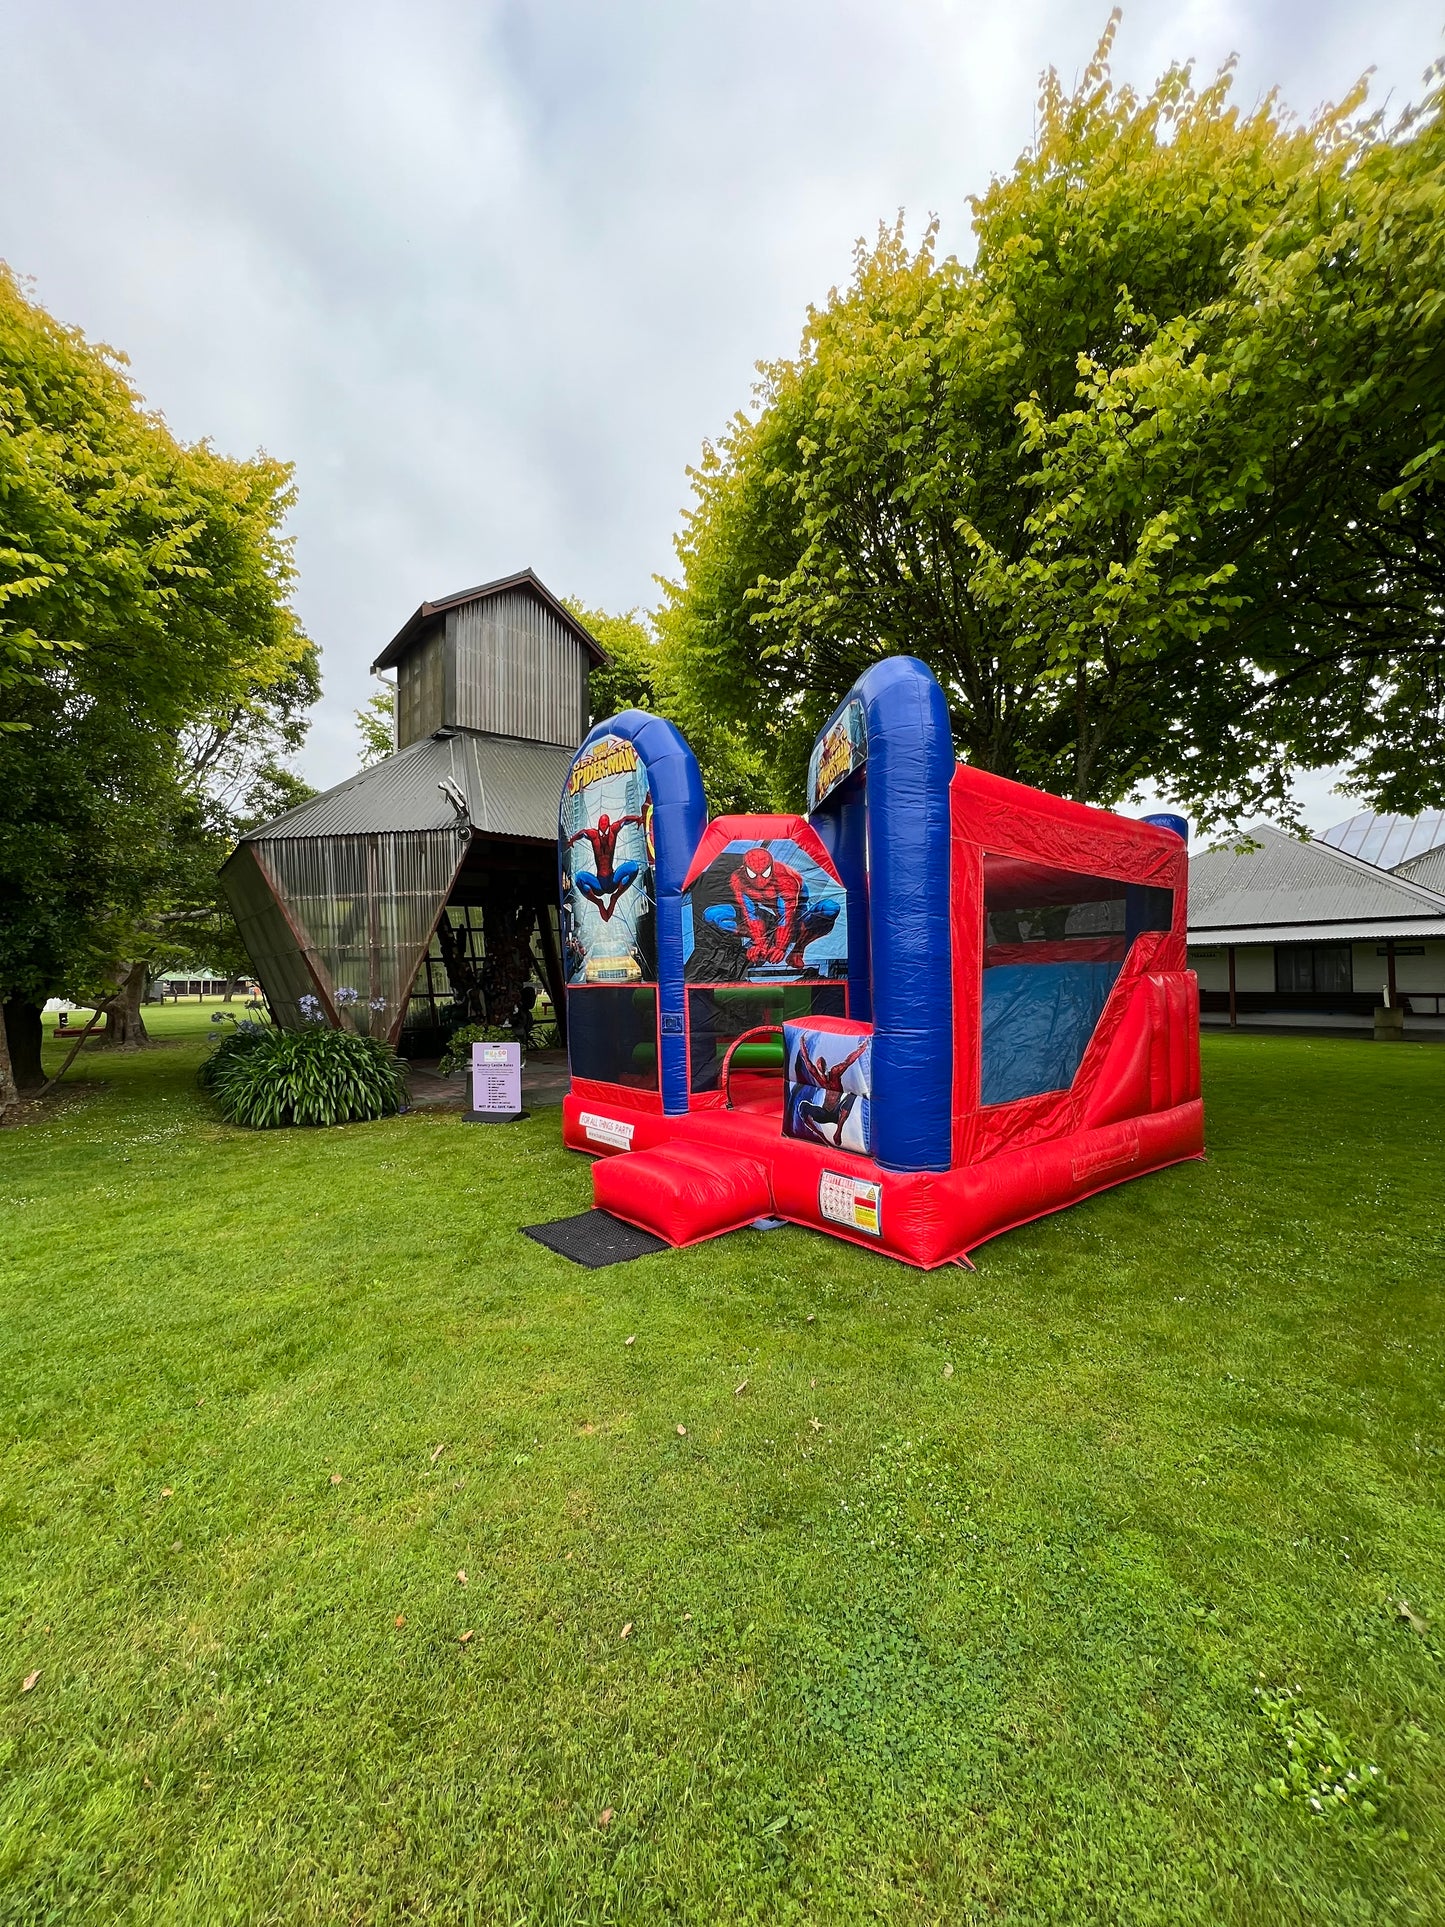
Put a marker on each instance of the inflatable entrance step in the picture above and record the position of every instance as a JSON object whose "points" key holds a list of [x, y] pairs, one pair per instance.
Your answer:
{"points": [[683, 1193]]}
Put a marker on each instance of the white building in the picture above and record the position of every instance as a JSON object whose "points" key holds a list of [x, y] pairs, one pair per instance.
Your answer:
{"points": [[1323, 931]]}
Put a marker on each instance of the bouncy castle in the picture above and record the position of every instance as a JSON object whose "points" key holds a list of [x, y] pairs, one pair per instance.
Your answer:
{"points": [[938, 1006]]}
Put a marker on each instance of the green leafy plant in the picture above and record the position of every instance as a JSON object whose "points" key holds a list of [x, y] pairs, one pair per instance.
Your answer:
{"points": [[310, 1076], [243, 1037], [458, 1056], [1316, 1765]]}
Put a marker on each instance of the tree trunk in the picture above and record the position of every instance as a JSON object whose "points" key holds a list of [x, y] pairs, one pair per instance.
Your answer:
{"points": [[8, 1092], [24, 1028], [507, 968], [125, 1027], [466, 985]]}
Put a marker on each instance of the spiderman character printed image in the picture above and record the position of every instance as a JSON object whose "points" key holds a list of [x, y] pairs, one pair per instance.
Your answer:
{"points": [[818, 1118], [606, 859], [829, 1076], [764, 912], [604, 886]]}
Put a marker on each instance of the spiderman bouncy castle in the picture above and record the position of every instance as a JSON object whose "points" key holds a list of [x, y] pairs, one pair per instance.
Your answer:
{"points": [[939, 1005]]}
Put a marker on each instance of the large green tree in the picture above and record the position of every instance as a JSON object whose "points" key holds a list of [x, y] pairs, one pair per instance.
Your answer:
{"points": [[1153, 483], [145, 617], [630, 678], [232, 774], [642, 675]]}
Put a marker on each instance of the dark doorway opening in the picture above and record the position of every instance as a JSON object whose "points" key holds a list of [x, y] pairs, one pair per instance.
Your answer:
{"points": [[495, 946]]}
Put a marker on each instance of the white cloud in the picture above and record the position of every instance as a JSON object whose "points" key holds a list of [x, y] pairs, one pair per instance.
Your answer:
{"points": [[489, 274]]}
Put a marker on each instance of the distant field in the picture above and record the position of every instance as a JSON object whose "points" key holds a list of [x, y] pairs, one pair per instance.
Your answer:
{"points": [[167, 1022], [370, 1573]]}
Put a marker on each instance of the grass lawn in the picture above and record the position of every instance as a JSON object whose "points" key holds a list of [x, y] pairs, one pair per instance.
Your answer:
{"points": [[991, 1597]]}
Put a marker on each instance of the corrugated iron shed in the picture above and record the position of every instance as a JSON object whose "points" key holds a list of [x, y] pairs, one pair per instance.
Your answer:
{"points": [[511, 788], [1288, 891], [525, 579], [341, 899]]}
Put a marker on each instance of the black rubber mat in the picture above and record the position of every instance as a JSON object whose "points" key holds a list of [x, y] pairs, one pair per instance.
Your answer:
{"points": [[595, 1239]]}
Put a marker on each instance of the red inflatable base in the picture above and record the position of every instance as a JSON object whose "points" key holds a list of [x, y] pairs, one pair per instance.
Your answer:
{"points": [[696, 1176]]}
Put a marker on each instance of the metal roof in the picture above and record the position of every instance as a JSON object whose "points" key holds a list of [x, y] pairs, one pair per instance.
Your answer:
{"points": [[1287, 890], [1373, 930], [1387, 841], [524, 579], [1428, 869], [512, 788]]}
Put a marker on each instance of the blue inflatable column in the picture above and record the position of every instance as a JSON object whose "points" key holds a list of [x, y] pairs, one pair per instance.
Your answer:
{"points": [[1167, 820], [909, 768]]}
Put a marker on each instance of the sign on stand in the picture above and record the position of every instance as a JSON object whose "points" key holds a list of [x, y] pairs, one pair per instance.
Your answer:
{"points": [[496, 1084]]}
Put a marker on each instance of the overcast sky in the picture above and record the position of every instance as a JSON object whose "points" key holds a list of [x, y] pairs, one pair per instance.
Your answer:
{"points": [[489, 274]]}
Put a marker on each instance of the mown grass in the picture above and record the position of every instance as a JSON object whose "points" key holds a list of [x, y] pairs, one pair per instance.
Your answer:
{"points": [[978, 1603]]}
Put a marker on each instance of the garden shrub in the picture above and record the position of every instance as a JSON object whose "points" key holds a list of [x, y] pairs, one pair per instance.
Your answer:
{"points": [[310, 1076], [458, 1055], [232, 1043]]}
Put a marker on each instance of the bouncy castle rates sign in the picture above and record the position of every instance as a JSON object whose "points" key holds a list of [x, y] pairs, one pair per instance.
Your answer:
{"points": [[497, 1079]]}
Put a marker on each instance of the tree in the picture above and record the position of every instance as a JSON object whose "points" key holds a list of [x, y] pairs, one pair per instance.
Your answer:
{"points": [[376, 725], [640, 676], [1153, 483], [230, 775], [229, 787], [144, 588], [8, 1089], [19, 653], [630, 679], [235, 777]]}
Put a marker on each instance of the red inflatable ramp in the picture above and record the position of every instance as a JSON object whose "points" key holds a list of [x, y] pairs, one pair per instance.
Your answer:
{"points": [[682, 1192]]}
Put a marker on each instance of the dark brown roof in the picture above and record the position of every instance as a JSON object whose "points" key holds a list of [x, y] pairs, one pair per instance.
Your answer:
{"points": [[414, 624]]}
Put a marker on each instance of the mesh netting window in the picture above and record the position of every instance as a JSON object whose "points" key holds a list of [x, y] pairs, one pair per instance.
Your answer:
{"points": [[720, 1013], [1054, 942], [363, 907], [612, 1033]]}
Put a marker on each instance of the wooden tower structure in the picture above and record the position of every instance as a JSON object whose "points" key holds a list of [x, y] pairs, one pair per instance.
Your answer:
{"points": [[421, 893]]}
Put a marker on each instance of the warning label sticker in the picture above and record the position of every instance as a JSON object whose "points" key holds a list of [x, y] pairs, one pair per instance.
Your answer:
{"points": [[607, 1130], [855, 1202]]}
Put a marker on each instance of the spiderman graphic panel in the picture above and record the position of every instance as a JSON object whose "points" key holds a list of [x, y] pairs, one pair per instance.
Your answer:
{"points": [[829, 1087], [607, 861], [764, 911]]}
